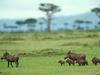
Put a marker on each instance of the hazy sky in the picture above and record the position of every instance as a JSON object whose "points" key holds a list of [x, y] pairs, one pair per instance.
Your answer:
{"points": [[29, 8]]}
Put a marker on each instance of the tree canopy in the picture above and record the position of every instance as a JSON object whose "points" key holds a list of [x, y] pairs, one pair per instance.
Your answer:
{"points": [[30, 21], [48, 7], [20, 22], [96, 11]]}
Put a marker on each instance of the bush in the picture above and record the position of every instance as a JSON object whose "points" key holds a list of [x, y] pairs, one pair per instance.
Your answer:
{"points": [[93, 35]]}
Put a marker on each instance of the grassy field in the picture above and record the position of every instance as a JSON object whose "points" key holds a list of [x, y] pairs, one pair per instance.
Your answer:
{"points": [[39, 52]]}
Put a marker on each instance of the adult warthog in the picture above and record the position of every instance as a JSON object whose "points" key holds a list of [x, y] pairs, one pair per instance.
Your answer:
{"points": [[75, 56], [82, 62], [10, 59]]}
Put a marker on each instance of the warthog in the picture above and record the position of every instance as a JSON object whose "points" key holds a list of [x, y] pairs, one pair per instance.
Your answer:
{"points": [[10, 59], [82, 62], [95, 60], [75, 56], [61, 62], [69, 61]]}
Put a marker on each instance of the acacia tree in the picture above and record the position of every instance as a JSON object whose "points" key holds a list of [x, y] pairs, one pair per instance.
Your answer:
{"points": [[99, 24], [49, 9], [41, 25], [20, 23], [65, 25], [5, 27], [79, 22], [42, 21], [96, 11], [74, 26], [30, 23], [96, 27], [87, 22]]}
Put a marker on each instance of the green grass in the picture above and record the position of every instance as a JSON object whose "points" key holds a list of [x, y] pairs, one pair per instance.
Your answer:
{"points": [[48, 66], [40, 52]]}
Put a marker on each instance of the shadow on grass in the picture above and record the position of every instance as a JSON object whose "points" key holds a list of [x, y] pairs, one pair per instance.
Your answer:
{"points": [[44, 52]]}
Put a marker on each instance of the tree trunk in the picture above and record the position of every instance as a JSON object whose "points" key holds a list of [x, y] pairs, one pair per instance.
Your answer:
{"points": [[78, 27], [41, 27], [49, 21]]}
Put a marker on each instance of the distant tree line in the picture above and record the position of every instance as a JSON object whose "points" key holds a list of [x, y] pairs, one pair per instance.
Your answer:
{"points": [[50, 9]]}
